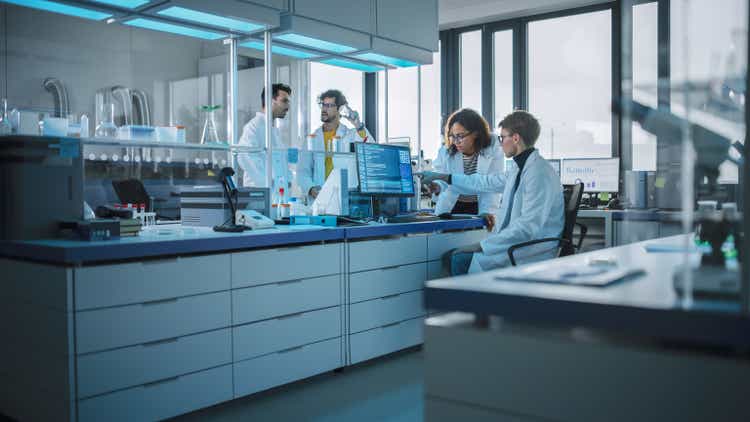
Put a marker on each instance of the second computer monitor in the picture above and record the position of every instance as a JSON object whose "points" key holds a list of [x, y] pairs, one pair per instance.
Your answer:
{"points": [[384, 170], [597, 174]]}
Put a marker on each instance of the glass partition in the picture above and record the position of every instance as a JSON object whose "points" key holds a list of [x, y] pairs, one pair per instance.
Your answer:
{"points": [[689, 126]]}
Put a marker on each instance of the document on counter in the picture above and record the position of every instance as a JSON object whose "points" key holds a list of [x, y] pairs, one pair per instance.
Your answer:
{"points": [[596, 276]]}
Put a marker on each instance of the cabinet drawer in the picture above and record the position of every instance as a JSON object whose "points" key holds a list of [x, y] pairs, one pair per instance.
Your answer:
{"points": [[123, 284], [283, 333], [112, 370], [387, 281], [251, 376], [288, 297], [375, 254], [136, 324], [439, 244], [436, 269], [273, 265], [386, 310], [381, 341], [160, 400]]}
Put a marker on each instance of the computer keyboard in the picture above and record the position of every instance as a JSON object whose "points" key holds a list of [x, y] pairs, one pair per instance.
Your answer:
{"points": [[412, 218]]}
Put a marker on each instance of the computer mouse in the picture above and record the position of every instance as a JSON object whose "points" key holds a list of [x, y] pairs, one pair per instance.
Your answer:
{"points": [[445, 216]]}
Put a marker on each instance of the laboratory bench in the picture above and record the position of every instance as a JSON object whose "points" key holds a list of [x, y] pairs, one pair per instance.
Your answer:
{"points": [[634, 350], [182, 318]]}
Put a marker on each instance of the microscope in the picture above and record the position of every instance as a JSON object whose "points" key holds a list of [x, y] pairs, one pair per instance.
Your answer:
{"points": [[711, 278]]}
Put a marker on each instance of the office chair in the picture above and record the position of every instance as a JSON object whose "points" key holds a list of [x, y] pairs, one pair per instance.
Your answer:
{"points": [[572, 198]]}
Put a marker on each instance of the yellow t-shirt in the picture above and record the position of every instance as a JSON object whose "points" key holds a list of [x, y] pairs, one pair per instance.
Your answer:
{"points": [[328, 141], [328, 138]]}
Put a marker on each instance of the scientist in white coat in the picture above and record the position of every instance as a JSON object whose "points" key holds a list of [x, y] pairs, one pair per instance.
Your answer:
{"points": [[468, 148], [254, 136], [332, 136], [532, 203]]}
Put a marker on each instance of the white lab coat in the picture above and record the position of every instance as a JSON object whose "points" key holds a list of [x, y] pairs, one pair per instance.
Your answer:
{"points": [[537, 212], [254, 164], [315, 142], [490, 161]]}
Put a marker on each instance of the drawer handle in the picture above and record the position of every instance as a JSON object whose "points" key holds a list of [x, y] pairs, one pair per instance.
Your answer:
{"points": [[391, 325], [291, 349], [160, 301], [389, 297], [160, 342], [290, 316], [164, 381], [391, 268], [281, 283]]}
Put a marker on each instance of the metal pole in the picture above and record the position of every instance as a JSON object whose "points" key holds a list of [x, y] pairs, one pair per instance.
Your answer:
{"points": [[385, 109], [419, 118], [233, 92], [267, 73]]}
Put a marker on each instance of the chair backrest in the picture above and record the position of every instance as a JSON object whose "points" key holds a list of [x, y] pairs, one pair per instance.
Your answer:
{"points": [[572, 196]]}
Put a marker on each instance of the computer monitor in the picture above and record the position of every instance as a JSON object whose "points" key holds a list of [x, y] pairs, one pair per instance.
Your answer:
{"points": [[384, 170], [597, 174]]}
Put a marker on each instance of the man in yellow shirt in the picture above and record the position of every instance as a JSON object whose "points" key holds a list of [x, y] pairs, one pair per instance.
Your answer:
{"points": [[331, 137]]}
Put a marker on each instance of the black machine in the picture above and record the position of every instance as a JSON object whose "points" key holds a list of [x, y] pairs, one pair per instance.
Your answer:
{"points": [[230, 192]]}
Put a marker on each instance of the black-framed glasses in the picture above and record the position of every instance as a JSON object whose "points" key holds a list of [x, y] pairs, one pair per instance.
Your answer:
{"points": [[459, 137], [503, 137]]}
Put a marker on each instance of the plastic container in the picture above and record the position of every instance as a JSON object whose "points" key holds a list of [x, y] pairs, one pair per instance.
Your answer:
{"points": [[166, 133], [180, 134], [55, 126], [136, 133], [285, 210]]}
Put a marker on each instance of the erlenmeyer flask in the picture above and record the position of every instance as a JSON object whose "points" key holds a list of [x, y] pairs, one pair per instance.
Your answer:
{"points": [[210, 135], [106, 127]]}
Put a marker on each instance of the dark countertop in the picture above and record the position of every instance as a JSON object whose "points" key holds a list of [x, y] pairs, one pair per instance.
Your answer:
{"points": [[180, 240]]}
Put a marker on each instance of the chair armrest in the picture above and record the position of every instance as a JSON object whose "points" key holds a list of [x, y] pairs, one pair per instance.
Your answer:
{"points": [[513, 248], [584, 230]]}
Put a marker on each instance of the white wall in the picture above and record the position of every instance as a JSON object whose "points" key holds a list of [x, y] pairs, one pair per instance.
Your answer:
{"points": [[87, 55]]}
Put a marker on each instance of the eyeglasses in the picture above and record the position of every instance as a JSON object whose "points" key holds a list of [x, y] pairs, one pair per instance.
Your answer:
{"points": [[503, 137], [327, 105], [459, 137]]}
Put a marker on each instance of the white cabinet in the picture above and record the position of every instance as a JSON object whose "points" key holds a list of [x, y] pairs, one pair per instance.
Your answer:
{"points": [[266, 266], [387, 339], [374, 284], [251, 376], [384, 253], [162, 399]]}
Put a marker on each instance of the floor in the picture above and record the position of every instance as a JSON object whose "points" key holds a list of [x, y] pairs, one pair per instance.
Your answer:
{"points": [[389, 389]]}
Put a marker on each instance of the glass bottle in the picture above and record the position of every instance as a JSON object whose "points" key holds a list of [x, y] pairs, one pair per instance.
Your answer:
{"points": [[106, 127], [209, 134], [5, 127]]}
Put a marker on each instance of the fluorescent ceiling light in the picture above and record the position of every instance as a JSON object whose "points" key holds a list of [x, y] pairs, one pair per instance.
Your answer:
{"points": [[174, 29], [315, 43], [209, 19], [63, 9], [352, 65], [374, 57], [127, 4], [277, 49]]}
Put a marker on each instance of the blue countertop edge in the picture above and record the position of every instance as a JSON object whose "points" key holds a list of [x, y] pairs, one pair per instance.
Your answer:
{"points": [[693, 327], [92, 252]]}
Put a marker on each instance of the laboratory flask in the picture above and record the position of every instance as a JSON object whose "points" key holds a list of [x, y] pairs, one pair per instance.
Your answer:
{"points": [[210, 135], [106, 127]]}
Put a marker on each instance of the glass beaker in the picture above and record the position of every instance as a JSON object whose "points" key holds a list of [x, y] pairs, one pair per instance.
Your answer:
{"points": [[209, 134], [5, 127], [106, 127]]}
